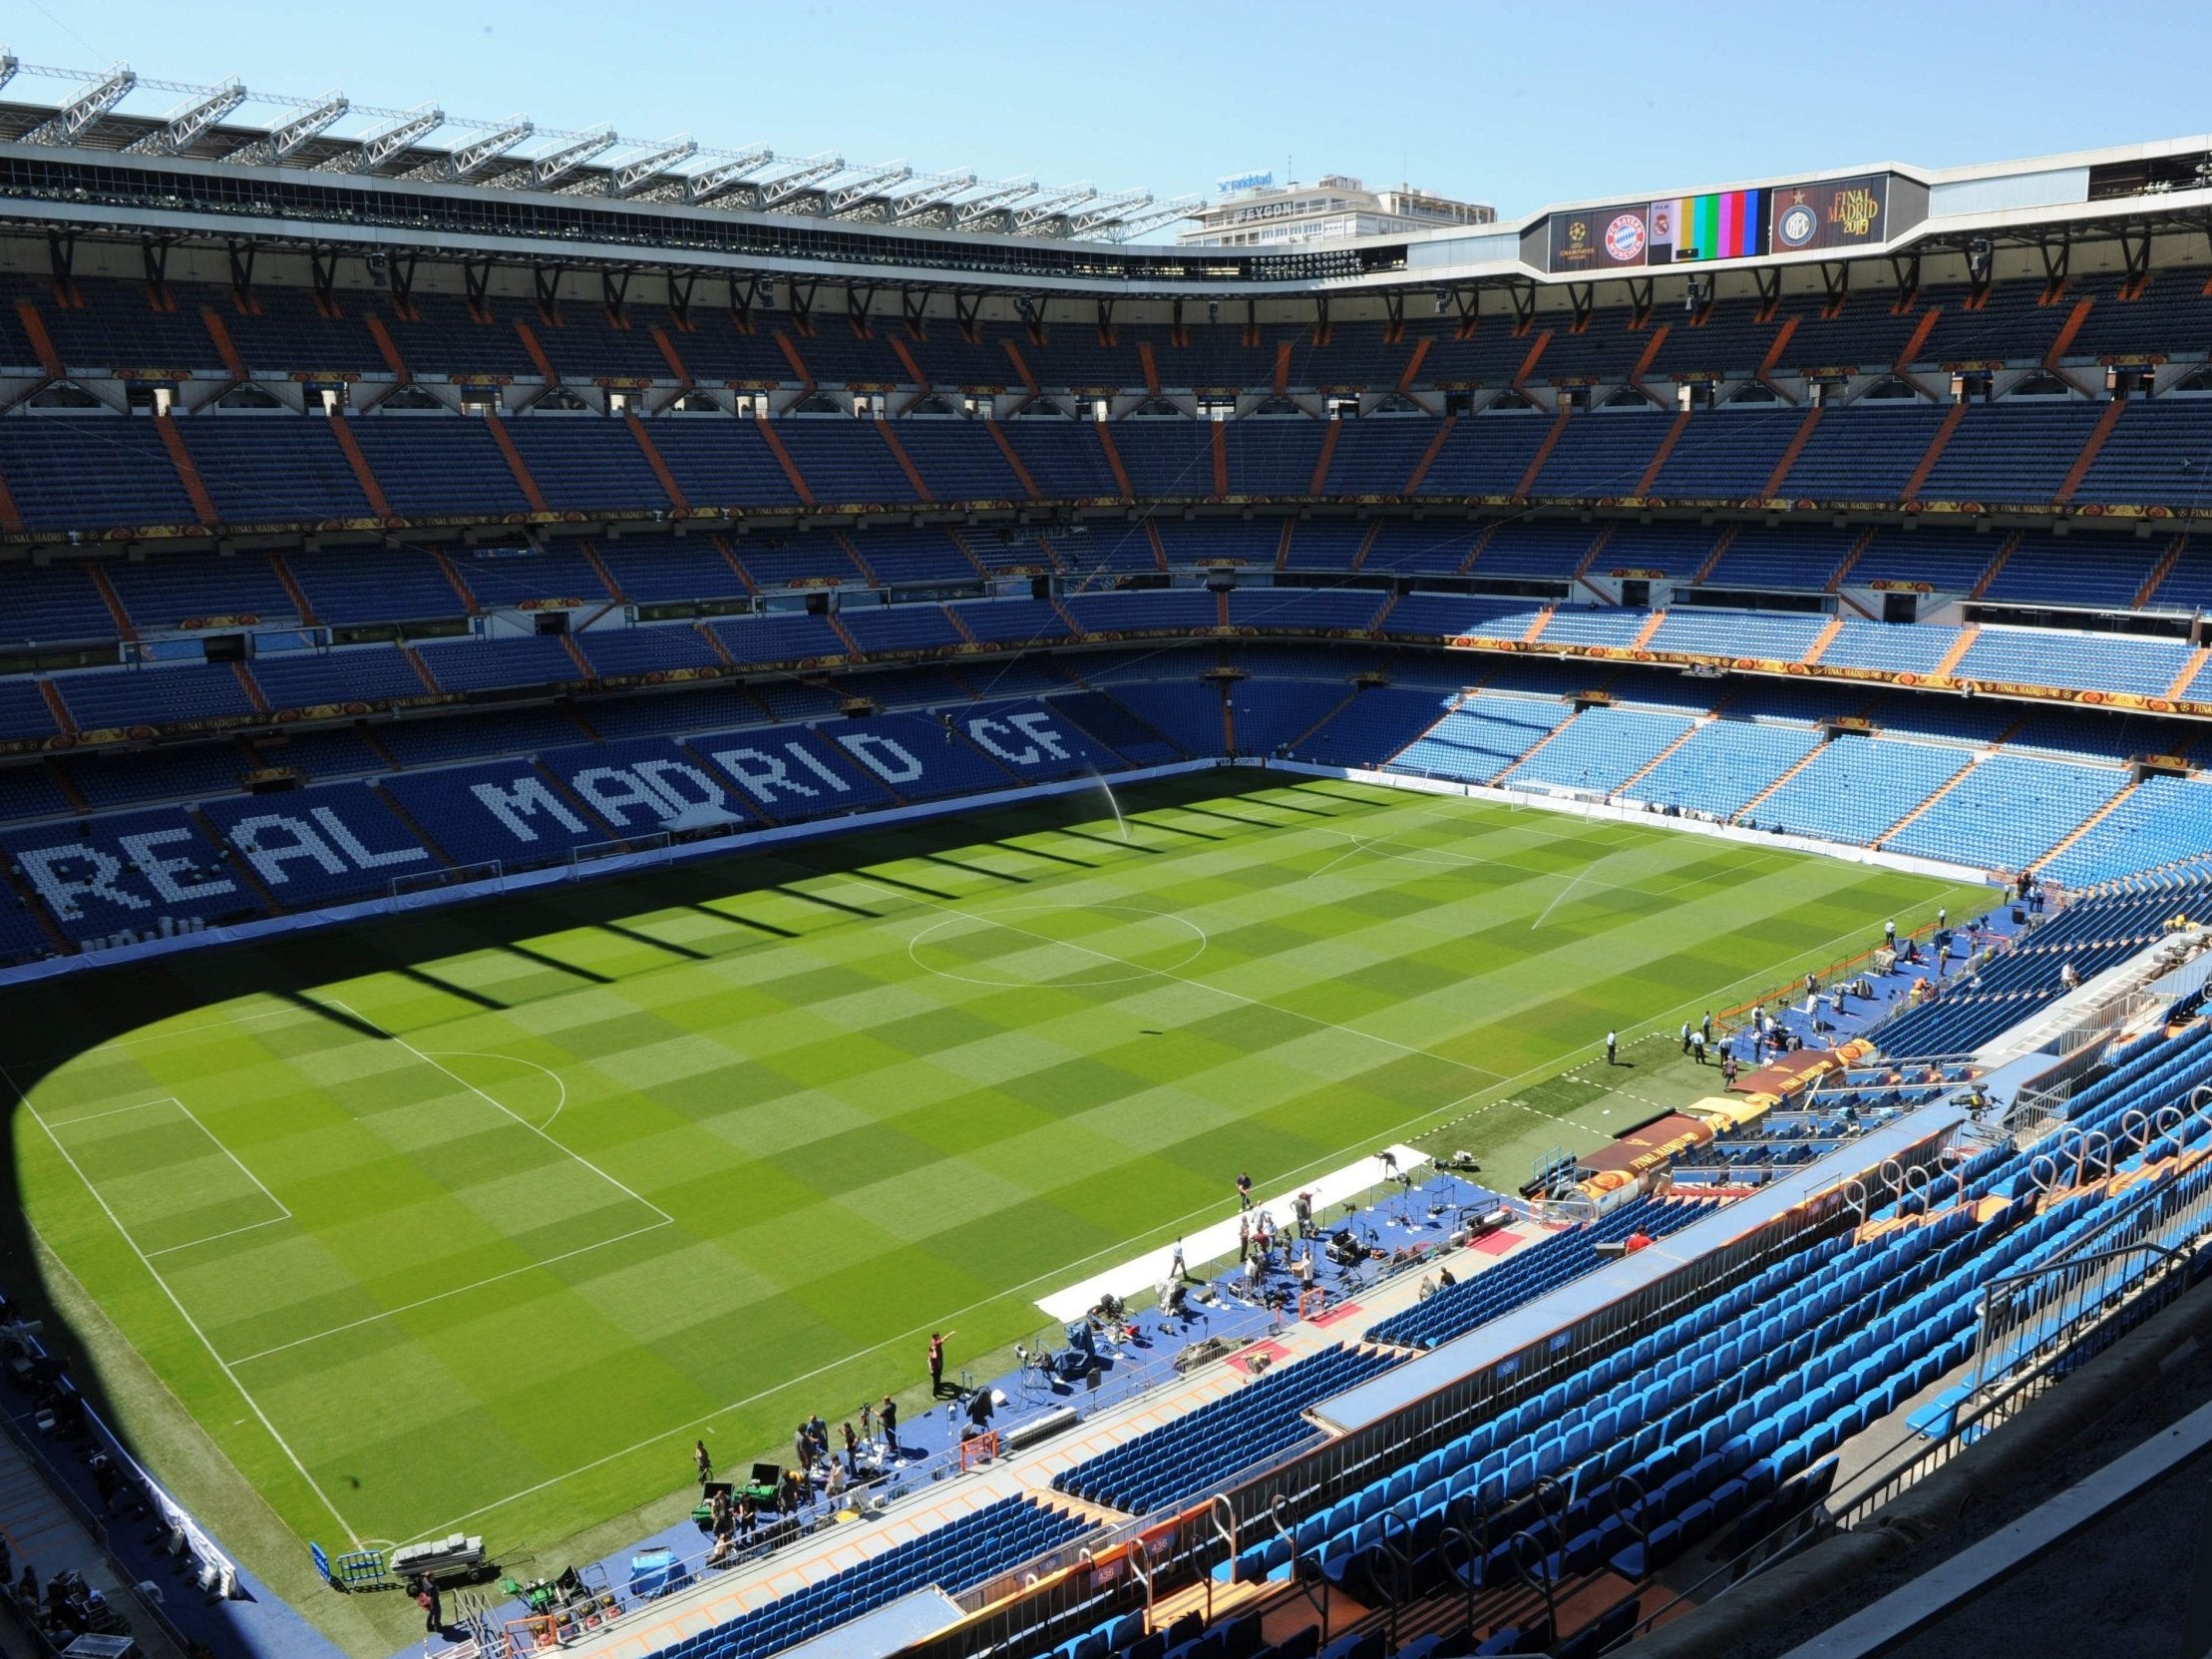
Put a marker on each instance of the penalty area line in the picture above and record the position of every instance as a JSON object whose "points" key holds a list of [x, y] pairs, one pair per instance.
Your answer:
{"points": [[252, 1405], [447, 1295]]}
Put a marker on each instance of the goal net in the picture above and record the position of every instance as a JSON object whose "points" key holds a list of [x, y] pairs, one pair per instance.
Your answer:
{"points": [[591, 851], [419, 883]]}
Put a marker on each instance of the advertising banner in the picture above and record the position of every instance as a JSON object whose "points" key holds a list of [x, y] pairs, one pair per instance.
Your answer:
{"points": [[1839, 213], [1680, 229]]}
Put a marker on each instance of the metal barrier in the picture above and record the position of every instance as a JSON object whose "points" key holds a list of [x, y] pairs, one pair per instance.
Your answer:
{"points": [[127, 1578]]}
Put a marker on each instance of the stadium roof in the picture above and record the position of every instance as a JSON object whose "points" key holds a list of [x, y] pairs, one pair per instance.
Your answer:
{"points": [[112, 156], [119, 111]]}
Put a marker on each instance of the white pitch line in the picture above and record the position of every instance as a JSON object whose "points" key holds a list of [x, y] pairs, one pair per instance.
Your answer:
{"points": [[193, 1244], [116, 1111], [568, 1152], [446, 1295], [252, 1405], [1164, 1230], [234, 1158], [135, 1041], [1178, 979], [559, 1081], [283, 1211]]}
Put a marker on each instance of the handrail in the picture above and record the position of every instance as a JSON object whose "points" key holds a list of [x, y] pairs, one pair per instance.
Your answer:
{"points": [[1999, 1396], [1467, 1578], [1536, 1573], [1401, 1589]]}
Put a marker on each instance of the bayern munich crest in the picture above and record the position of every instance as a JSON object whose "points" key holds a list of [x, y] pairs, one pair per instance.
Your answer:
{"points": [[1796, 225], [1624, 238]]}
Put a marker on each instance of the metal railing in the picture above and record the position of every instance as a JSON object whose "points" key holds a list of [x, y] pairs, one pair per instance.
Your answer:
{"points": [[132, 1602]]}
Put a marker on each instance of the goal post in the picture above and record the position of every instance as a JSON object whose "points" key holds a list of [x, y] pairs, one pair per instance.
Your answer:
{"points": [[591, 852], [419, 884]]}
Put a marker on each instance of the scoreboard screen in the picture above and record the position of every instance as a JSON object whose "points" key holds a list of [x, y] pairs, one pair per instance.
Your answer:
{"points": [[1726, 225], [1837, 212], [1683, 229]]}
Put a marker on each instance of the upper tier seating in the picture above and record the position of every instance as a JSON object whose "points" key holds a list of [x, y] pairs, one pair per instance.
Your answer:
{"points": [[114, 325], [1721, 766], [1187, 1457], [1529, 1273], [199, 590], [2008, 809], [98, 474], [1949, 560], [1482, 736], [2160, 822], [1604, 456], [2096, 933], [2049, 570], [1914, 650], [2040, 657], [985, 1543], [1782, 639], [1600, 749], [953, 467], [1856, 788], [94, 473], [2155, 453], [1375, 726], [119, 698], [1524, 548], [1487, 453], [51, 605], [1727, 454], [2010, 452], [615, 651], [1377, 457], [1803, 559], [1862, 452]]}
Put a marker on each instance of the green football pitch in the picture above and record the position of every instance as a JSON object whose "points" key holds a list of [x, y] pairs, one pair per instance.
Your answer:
{"points": [[475, 1219]]}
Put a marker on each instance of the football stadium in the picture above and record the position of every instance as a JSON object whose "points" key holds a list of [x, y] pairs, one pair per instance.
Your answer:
{"points": [[761, 907]]}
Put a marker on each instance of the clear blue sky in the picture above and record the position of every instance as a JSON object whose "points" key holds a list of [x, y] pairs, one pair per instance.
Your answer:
{"points": [[1516, 105]]}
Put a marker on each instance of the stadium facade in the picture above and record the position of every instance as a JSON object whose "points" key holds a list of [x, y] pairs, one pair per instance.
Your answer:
{"points": [[404, 513]]}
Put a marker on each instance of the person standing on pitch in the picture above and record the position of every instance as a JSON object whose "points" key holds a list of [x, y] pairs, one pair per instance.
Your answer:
{"points": [[1178, 1269], [1685, 1037], [434, 1616], [1705, 1025], [937, 1362], [703, 1460], [887, 1415], [1244, 1190], [1613, 1048]]}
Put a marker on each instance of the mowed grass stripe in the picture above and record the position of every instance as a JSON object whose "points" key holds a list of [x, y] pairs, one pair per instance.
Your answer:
{"points": [[853, 1144]]}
